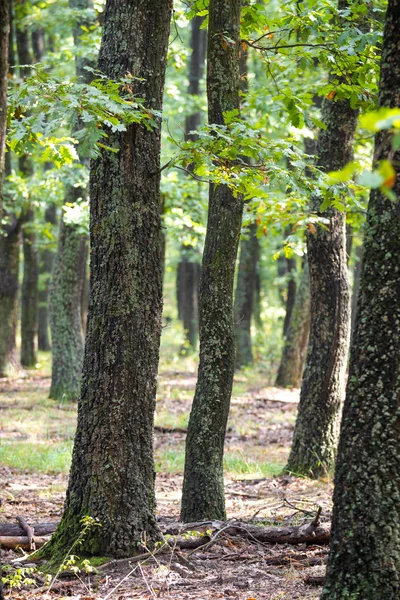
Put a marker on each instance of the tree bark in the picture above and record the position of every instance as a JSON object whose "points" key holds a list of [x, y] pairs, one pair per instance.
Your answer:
{"points": [[188, 271], [46, 264], [112, 473], [367, 479], [295, 347], [290, 293], [203, 486], [5, 20], [30, 290], [30, 280], [316, 432], [69, 270], [245, 288]]}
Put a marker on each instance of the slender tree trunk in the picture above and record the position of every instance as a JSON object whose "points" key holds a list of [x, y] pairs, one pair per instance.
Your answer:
{"points": [[356, 284], [30, 280], [5, 20], [10, 240], [66, 319], [29, 292], [316, 432], [245, 288], [112, 473], [290, 293], [46, 264], [69, 271], [295, 348], [364, 560], [188, 271], [203, 486], [248, 265], [9, 286]]}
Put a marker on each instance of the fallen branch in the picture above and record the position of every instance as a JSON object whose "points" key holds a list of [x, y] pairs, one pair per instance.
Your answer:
{"points": [[315, 580], [161, 429], [13, 542], [29, 532], [13, 529]]}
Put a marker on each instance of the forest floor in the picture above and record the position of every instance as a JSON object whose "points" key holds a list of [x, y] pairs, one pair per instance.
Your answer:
{"points": [[36, 441]]}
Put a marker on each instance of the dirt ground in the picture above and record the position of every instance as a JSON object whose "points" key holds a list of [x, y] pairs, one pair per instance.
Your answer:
{"points": [[259, 432]]}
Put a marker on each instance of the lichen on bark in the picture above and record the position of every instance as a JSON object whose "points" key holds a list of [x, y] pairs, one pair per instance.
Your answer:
{"points": [[112, 472], [203, 487], [364, 560]]}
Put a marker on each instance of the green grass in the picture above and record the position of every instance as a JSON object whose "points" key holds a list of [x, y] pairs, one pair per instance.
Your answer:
{"points": [[37, 458]]}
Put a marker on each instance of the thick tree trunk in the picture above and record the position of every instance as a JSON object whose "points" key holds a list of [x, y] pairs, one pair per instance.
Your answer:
{"points": [[46, 264], [367, 480], [203, 486], [245, 288], [188, 272], [29, 292], [295, 348], [69, 272], [5, 20], [112, 473], [316, 432]]}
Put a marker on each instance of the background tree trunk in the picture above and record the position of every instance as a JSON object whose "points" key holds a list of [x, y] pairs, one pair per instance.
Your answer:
{"points": [[367, 480], [112, 473], [188, 272], [69, 270], [46, 264], [5, 20], [316, 432], [295, 347], [245, 289], [203, 486], [30, 279]]}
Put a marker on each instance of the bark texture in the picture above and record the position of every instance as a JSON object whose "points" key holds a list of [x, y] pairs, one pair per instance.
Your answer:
{"points": [[203, 486], [316, 432], [9, 287], [245, 290], [66, 319], [5, 19], [363, 564], [294, 351], [30, 279], [46, 264], [112, 473], [29, 291], [69, 269]]}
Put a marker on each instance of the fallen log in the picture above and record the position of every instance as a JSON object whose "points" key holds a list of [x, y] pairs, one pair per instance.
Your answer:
{"points": [[20, 541], [310, 533], [30, 532], [14, 529]]}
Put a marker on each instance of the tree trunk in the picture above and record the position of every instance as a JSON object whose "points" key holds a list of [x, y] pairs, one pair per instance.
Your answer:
{"points": [[46, 263], [295, 347], [29, 292], [112, 473], [316, 432], [5, 20], [290, 293], [9, 286], [245, 287], [66, 320], [69, 269], [356, 284], [367, 479], [188, 275], [188, 271], [30, 280], [203, 486]]}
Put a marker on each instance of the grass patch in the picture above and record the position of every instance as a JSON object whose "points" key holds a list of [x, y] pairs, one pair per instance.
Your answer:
{"points": [[37, 458]]}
